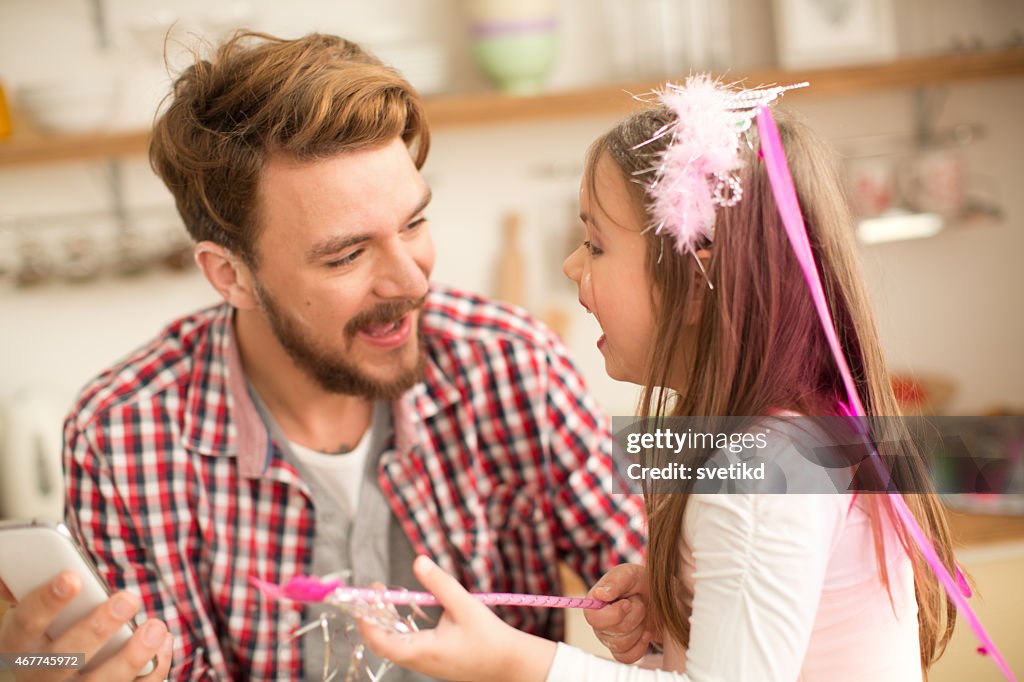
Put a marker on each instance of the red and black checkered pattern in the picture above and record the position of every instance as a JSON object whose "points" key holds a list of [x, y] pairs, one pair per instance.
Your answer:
{"points": [[499, 468]]}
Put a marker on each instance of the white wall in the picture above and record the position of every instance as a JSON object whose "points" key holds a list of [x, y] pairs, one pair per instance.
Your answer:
{"points": [[950, 304]]}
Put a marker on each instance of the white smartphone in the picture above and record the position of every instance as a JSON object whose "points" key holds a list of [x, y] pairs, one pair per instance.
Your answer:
{"points": [[35, 552]]}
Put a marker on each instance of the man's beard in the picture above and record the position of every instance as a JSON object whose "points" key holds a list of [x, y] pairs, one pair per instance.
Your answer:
{"points": [[336, 374]]}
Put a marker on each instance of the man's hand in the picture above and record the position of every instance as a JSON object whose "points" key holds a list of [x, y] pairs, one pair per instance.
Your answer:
{"points": [[23, 630], [625, 626]]}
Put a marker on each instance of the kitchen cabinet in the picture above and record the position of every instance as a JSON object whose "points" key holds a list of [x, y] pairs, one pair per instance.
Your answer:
{"points": [[458, 111], [990, 550]]}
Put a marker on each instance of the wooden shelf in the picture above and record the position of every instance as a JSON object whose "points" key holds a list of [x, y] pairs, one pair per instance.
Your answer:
{"points": [[615, 99], [456, 111], [30, 147]]}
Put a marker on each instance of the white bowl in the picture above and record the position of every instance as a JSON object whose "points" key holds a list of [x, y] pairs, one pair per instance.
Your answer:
{"points": [[69, 106]]}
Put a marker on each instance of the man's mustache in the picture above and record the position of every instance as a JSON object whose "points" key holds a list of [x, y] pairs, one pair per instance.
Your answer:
{"points": [[383, 313]]}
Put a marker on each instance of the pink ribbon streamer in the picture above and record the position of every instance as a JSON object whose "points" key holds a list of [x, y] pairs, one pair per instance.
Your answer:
{"points": [[312, 589], [792, 218]]}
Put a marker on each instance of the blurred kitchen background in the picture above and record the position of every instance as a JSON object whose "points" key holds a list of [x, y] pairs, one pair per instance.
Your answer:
{"points": [[922, 97]]}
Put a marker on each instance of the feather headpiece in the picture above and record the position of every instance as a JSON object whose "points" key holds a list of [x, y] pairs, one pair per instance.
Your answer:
{"points": [[696, 172]]}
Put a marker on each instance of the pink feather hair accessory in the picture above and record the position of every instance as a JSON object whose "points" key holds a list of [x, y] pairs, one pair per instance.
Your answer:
{"points": [[695, 173]]}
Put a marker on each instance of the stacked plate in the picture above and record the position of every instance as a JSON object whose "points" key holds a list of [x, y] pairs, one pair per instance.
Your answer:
{"points": [[69, 105], [423, 64]]}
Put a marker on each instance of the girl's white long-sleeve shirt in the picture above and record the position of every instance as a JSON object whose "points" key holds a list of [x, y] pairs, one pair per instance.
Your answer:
{"points": [[785, 587]]}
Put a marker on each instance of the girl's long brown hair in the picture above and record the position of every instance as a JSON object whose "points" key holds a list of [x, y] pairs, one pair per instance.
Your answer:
{"points": [[758, 346]]}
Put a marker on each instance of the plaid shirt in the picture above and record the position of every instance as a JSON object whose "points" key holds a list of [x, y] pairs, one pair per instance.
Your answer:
{"points": [[499, 468]]}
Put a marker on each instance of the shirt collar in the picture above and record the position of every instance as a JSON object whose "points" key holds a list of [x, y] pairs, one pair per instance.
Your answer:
{"points": [[422, 402]]}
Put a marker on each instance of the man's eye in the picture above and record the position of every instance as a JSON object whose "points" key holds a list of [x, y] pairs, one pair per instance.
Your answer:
{"points": [[347, 260], [416, 223]]}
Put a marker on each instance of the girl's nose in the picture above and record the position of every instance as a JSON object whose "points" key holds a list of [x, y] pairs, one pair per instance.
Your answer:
{"points": [[573, 265]]}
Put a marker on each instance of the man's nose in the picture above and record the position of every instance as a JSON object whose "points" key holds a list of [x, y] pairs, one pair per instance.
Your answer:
{"points": [[402, 275]]}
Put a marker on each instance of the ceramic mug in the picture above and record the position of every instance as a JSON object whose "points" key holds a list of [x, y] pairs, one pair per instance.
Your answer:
{"points": [[871, 185], [934, 181]]}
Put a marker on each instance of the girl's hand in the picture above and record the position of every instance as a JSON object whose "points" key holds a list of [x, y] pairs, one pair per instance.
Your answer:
{"points": [[469, 643], [626, 627]]}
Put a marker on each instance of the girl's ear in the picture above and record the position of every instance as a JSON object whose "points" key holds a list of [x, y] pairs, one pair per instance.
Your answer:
{"points": [[227, 274], [700, 292]]}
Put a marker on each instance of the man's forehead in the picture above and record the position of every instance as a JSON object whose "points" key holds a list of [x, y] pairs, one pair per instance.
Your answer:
{"points": [[342, 239], [370, 181]]}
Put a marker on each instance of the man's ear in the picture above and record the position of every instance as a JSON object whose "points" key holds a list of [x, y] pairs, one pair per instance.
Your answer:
{"points": [[227, 274]]}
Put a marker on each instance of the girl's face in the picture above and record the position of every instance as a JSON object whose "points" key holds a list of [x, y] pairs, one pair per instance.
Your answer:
{"points": [[609, 269]]}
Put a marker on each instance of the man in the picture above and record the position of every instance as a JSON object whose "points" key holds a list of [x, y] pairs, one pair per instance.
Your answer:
{"points": [[337, 413]]}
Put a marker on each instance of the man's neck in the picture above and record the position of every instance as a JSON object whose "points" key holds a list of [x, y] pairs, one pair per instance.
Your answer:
{"points": [[306, 413]]}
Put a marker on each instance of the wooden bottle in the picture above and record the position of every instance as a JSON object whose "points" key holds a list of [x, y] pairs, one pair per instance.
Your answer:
{"points": [[511, 266]]}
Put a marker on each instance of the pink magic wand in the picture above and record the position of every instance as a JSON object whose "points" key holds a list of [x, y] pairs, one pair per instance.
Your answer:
{"points": [[310, 589]]}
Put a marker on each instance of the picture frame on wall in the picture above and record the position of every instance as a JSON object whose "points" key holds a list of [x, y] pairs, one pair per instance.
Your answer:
{"points": [[820, 33]]}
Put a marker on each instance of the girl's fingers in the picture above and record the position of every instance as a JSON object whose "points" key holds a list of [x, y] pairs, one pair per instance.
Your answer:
{"points": [[428, 647], [376, 638], [456, 601], [612, 617], [635, 652], [469, 642], [618, 643], [622, 581], [633, 619], [398, 648], [453, 596]]}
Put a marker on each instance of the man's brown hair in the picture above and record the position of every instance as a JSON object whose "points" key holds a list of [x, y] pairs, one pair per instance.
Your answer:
{"points": [[260, 95]]}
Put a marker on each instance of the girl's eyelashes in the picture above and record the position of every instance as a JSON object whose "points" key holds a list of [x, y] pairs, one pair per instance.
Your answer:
{"points": [[592, 249]]}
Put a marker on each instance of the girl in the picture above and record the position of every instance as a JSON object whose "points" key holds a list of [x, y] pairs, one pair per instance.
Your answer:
{"points": [[713, 317]]}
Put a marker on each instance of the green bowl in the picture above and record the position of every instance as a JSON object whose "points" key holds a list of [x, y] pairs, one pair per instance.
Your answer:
{"points": [[517, 63]]}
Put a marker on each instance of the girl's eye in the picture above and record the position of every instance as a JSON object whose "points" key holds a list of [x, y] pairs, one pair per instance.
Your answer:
{"points": [[592, 248], [347, 260]]}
